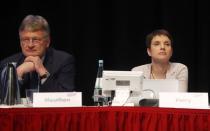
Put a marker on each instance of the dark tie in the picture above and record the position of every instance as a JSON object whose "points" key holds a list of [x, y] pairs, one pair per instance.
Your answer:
{"points": [[33, 80]]}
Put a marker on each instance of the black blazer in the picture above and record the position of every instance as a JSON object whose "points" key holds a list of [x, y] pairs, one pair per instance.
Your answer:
{"points": [[59, 64]]}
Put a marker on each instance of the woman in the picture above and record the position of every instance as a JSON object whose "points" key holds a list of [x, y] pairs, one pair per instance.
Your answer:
{"points": [[159, 48]]}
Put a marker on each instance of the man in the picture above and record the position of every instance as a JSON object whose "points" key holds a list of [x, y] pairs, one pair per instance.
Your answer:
{"points": [[54, 69]]}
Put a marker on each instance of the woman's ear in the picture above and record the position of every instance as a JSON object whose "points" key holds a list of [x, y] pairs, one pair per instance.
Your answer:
{"points": [[149, 51], [172, 50]]}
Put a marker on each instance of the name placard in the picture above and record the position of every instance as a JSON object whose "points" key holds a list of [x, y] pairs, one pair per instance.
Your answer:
{"points": [[121, 96], [57, 99], [183, 100]]}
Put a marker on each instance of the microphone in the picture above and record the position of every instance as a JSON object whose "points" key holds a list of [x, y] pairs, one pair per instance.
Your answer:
{"points": [[149, 102]]}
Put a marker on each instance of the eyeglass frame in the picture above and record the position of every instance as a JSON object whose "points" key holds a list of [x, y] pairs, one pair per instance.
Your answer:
{"points": [[33, 40]]}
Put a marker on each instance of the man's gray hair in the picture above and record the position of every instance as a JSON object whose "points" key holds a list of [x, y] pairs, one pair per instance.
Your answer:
{"points": [[34, 23]]}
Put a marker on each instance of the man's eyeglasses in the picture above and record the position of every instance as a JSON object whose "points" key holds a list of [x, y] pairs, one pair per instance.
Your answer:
{"points": [[33, 40]]}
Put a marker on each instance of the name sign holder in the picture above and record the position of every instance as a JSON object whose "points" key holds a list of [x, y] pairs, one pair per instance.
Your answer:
{"points": [[183, 100], [57, 99]]}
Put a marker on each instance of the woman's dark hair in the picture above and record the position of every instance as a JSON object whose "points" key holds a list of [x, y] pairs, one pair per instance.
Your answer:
{"points": [[155, 33]]}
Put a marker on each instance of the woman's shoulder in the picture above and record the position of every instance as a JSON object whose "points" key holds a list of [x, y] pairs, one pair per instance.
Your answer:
{"points": [[141, 67], [177, 65]]}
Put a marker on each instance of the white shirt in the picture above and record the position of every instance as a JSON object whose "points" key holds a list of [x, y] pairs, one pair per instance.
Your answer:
{"points": [[176, 71]]}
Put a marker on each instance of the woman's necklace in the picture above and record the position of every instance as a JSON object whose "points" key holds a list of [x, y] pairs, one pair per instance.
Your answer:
{"points": [[152, 75]]}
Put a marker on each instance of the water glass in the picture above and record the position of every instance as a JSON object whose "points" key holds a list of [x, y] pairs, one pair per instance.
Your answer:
{"points": [[29, 96]]}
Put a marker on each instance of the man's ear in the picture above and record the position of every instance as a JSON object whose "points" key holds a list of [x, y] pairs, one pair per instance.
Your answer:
{"points": [[48, 42], [149, 51]]}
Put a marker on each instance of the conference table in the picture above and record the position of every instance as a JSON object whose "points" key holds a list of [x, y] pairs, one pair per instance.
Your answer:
{"points": [[104, 119]]}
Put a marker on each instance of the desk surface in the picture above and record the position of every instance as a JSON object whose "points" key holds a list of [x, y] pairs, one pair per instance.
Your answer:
{"points": [[104, 119]]}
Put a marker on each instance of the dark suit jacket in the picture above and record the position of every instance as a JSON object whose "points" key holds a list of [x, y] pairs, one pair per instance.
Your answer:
{"points": [[59, 64]]}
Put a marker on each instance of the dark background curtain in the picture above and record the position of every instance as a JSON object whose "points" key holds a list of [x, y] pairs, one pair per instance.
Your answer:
{"points": [[115, 31]]}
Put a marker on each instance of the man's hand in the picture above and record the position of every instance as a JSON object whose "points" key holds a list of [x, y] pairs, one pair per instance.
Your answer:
{"points": [[25, 68], [30, 64], [38, 65]]}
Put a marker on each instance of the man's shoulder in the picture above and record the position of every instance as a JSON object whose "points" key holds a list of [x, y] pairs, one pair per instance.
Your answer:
{"points": [[59, 55], [12, 58]]}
